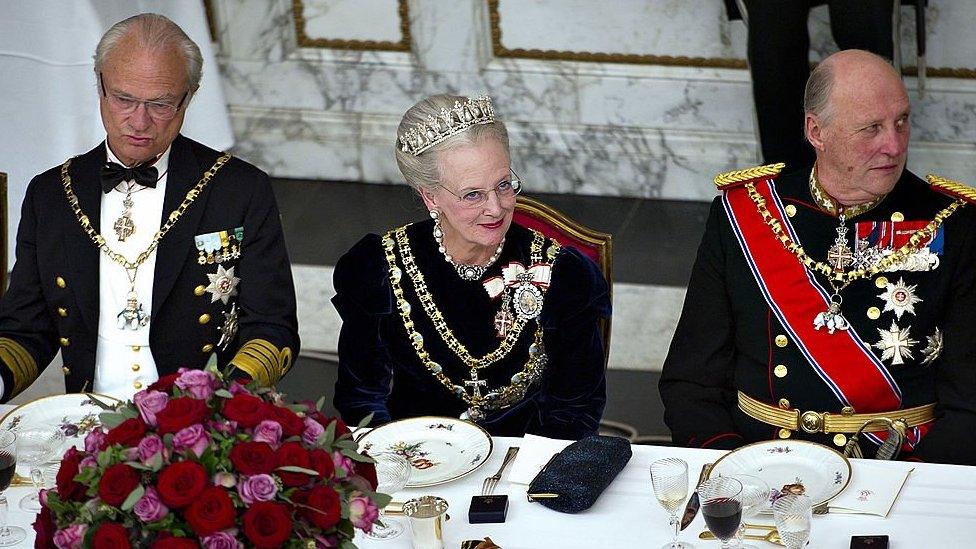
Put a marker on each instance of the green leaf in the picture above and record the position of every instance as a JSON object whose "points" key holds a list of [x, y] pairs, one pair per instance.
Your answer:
{"points": [[356, 456], [381, 500], [320, 403], [326, 439], [223, 393], [156, 463], [100, 403], [134, 497], [365, 421], [138, 466], [111, 419], [128, 412], [104, 458], [345, 443], [212, 363], [297, 469]]}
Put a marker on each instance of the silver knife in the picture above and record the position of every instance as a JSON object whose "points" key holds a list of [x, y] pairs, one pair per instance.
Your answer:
{"points": [[691, 510]]}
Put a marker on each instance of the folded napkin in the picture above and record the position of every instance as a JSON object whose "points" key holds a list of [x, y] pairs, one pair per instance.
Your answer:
{"points": [[535, 452], [873, 488]]}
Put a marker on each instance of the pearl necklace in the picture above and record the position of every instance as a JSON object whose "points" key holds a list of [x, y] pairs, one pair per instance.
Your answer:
{"points": [[466, 272]]}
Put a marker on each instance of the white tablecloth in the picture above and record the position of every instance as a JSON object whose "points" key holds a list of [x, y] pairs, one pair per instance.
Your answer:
{"points": [[936, 510]]}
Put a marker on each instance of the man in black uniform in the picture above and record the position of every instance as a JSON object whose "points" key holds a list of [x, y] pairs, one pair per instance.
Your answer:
{"points": [[150, 252], [827, 298]]}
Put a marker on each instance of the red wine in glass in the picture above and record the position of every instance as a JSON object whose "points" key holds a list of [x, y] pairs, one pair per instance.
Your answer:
{"points": [[722, 515], [8, 463]]}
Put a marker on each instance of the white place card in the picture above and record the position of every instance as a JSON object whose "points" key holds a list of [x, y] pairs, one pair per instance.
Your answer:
{"points": [[873, 489]]}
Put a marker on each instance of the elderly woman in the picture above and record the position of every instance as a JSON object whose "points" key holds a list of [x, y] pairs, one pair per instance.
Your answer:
{"points": [[467, 314]]}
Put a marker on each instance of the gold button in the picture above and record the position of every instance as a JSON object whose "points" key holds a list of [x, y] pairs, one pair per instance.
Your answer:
{"points": [[65, 342], [785, 433], [897, 216], [847, 411], [137, 385], [60, 282], [781, 341], [840, 439], [881, 282], [790, 210], [204, 318], [780, 370], [199, 290], [136, 348], [206, 348], [784, 404], [135, 367], [62, 312], [874, 313], [66, 370]]}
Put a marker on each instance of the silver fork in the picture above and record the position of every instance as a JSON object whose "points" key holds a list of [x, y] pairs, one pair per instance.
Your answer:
{"points": [[489, 485]]}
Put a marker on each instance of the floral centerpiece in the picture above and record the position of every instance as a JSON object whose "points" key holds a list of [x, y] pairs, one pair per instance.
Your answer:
{"points": [[199, 460]]}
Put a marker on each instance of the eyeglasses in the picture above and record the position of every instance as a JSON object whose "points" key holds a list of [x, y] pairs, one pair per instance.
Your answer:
{"points": [[125, 104], [476, 197]]}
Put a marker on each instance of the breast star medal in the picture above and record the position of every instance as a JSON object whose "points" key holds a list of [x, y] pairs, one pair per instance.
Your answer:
{"points": [[223, 284], [934, 347], [900, 298], [895, 344], [229, 328]]}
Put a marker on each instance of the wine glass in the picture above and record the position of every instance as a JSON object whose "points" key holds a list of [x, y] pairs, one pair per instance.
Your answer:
{"points": [[35, 447], [669, 477], [9, 535], [793, 515], [755, 494], [392, 474], [721, 507]]}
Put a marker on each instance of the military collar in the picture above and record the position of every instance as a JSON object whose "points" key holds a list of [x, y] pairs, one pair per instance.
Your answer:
{"points": [[831, 206]]}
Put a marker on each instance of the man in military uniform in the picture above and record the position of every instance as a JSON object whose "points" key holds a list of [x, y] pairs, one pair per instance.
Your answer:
{"points": [[833, 298], [150, 252]]}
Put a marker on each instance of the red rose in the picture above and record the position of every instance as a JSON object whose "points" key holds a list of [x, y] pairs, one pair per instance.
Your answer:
{"points": [[320, 506], [164, 384], [181, 483], [211, 512], [67, 488], [367, 471], [180, 413], [111, 535], [321, 461], [117, 483], [174, 542], [44, 529], [246, 410], [291, 424], [128, 433], [292, 453], [253, 458], [267, 524]]}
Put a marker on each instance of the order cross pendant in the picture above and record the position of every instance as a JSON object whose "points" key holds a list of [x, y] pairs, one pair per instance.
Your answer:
{"points": [[476, 384]]}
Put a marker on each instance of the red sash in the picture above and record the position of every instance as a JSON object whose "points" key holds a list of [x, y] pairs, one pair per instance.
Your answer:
{"points": [[842, 359]]}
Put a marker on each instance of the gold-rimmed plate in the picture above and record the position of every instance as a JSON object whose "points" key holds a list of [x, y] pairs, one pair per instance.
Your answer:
{"points": [[74, 414], [439, 449], [822, 471]]}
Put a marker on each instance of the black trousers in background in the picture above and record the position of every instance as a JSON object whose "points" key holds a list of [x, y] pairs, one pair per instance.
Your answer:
{"points": [[779, 60]]}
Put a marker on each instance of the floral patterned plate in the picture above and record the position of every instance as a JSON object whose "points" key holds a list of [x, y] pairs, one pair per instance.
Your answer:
{"points": [[823, 472], [440, 449], [75, 414]]}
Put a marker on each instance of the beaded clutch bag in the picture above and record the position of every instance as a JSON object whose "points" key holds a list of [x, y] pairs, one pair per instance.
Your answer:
{"points": [[573, 479]]}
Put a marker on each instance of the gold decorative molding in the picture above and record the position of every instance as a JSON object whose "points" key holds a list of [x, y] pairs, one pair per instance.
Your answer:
{"points": [[499, 50], [364, 45]]}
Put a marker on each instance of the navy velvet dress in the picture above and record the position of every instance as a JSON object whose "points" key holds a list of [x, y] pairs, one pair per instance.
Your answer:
{"points": [[379, 371]]}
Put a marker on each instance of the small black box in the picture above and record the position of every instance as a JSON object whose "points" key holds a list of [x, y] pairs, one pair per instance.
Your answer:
{"points": [[869, 542], [486, 509]]}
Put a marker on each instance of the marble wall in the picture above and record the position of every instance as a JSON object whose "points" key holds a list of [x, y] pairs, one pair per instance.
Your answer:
{"points": [[661, 105]]}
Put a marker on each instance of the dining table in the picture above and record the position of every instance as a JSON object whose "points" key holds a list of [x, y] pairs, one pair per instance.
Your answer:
{"points": [[935, 509]]}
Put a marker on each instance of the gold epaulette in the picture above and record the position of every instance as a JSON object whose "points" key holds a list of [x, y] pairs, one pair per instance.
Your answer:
{"points": [[735, 178], [952, 188], [262, 360]]}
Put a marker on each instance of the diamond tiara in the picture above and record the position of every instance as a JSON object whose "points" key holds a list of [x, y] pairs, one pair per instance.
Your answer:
{"points": [[462, 116]]}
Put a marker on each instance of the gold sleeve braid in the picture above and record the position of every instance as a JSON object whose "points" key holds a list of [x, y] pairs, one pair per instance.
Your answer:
{"points": [[738, 177], [263, 361], [952, 188], [23, 367]]}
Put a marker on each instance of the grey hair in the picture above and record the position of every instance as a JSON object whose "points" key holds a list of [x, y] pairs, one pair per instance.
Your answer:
{"points": [[155, 33], [816, 95], [422, 172]]}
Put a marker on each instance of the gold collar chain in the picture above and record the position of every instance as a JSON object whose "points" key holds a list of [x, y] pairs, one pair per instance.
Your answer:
{"points": [[839, 279], [494, 399], [828, 204]]}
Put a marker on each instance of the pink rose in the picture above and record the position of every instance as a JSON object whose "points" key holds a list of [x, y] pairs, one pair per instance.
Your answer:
{"points": [[149, 404], [220, 540], [224, 427], [257, 488], [325, 542], [227, 480], [238, 389], [193, 438], [268, 431], [95, 441], [198, 384], [343, 463], [362, 512], [87, 461], [313, 430], [150, 508], [148, 447], [70, 537]]}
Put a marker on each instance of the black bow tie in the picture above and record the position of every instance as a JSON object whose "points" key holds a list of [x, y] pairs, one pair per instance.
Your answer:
{"points": [[113, 174]]}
